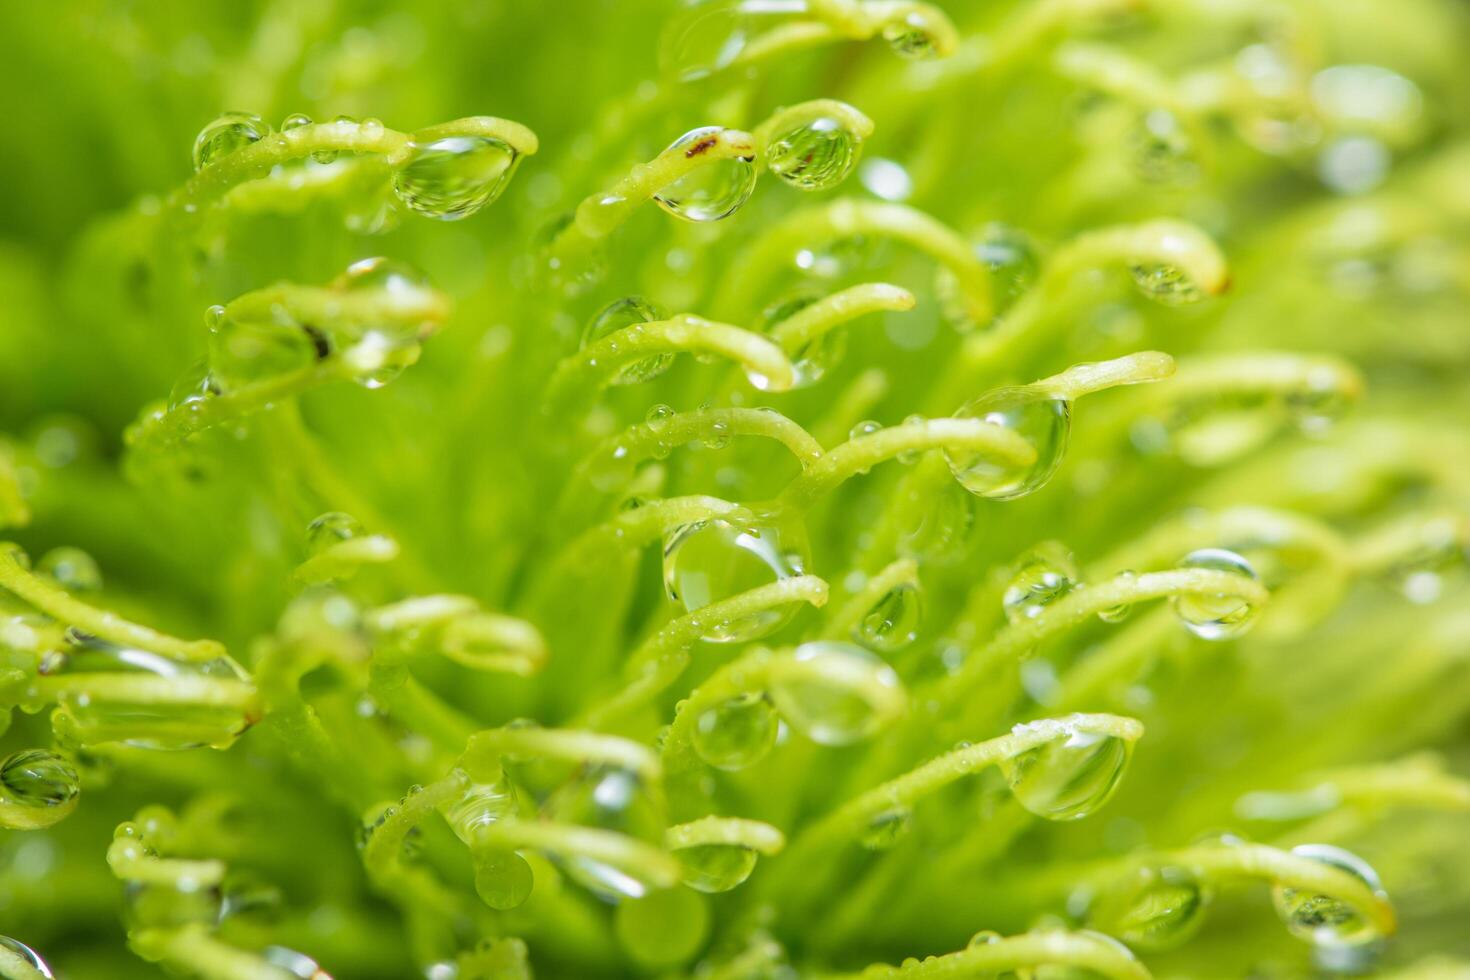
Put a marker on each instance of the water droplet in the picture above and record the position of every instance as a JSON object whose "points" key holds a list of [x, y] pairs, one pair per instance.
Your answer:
{"points": [[37, 789], [293, 963], [836, 693], [893, 622], [295, 121], [72, 568], [709, 561], [1317, 404], [618, 315], [812, 362], [1219, 616], [936, 527], [887, 828], [886, 179], [330, 529], [609, 799], [27, 955], [864, 428], [1041, 418], [910, 37], [711, 191], [90, 716], [703, 37], [242, 353], [380, 355], [816, 155], [195, 385], [480, 806], [1116, 614], [399, 280], [984, 937], [1322, 919], [1152, 908], [1166, 284], [664, 928], [716, 867], [227, 134], [503, 879], [1042, 577], [1162, 151], [737, 733], [1014, 263], [170, 906], [1070, 776], [454, 177]]}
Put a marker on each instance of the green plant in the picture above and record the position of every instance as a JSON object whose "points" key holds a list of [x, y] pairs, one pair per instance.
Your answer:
{"points": [[535, 646]]}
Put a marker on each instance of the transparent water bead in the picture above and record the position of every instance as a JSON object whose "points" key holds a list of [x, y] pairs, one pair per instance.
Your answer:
{"points": [[331, 528], [1152, 908], [608, 799], [1071, 775], [27, 956], [893, 622], [1014, 262], [709, 561], [479, 807], [711, 191], [1067, 971], [618, 315], [984, 937], [936, 528], [293, 963], [737, 733], [911, 36], [1161, 150], [454, 177], [1166, 284], [1042, 419], [194, 386], [887, 828], [716, 868], [397, 279], [812, 362], [503, 878], [227, 134], [244, 352], [72, 569], [1116, 614], [1322, 919], [816, 155], [107, 711], [1220, 616], [1042, 577], [836, 693], [664, 928], [37, 789]]}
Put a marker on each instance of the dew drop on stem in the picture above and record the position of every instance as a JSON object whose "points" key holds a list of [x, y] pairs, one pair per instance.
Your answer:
{"points": [[225, 135], [1325, 920], [1217, 616], [1071, 775], [38, 788], [709, 561], [1041, 418], [816, 155], [621, 314], [454, 177], [711, 191], [737, 733]]}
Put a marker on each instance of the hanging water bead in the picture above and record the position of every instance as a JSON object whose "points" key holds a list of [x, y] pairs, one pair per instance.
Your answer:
{"points": [[112, 712], [608, 799], [479, 807], [382, 351], [887, 828], [618, 315], [1041, 418], [1166, 284], [818, 356], [1045, 575], [37, 789], [706, 36], [1071, 775], [1152, 908], [1322, 919], [714, 868], [295, 964], [227, 134], [709, 561], [910, 37], [736, 733], [27, 956], [72, 569], [1116, 614], [1014, 263], [1162, 151], [454, 177], [709, 192], [816, 155], [195, 386], [664, 928], [330, 529], [244, 352], [836, 693], [893, 622], [934, 528], [1218, 616]]}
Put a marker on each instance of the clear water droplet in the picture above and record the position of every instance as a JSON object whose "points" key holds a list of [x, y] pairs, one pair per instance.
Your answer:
{"points": [[836, 693], [709, 561], [293, 963], [1071, 775], [1039, 417], [664, 928], [984, 937], [1166, 284], [716, 867], [618, 315], [1318, 404], [703, 37], [815, 156], [887, 828], [608, 799], [1013, 261], [1042, 577], [37, 789], [479, 807], [503, 879], [709, 192], [1219, 616], [1116, 614], [864, 428], [812, 362], [295, 121], [227, 134], [737, 733], [72, 569], [454, 177], [331, 528], [1161, 149], [242, 353], [1152, 908], [910, 36], [1322, 919], [936, 528], [195, 385], [397, 279], [893, 622], [27, 955]]}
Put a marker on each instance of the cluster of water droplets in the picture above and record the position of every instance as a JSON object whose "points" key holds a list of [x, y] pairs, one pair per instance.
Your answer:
{"points": [[1012, 259]]}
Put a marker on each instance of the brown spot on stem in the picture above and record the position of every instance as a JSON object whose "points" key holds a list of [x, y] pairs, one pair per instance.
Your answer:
{"points": [[701, 147]]}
